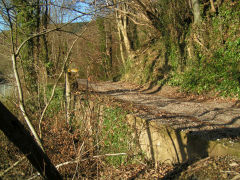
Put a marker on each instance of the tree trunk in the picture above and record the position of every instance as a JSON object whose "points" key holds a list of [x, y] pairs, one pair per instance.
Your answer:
{"points": [[45, 53], [213, 9], [121, 46], [121, 20], [15, 53], [21, 138], [110, 49], [21, 101], [196, 11]]}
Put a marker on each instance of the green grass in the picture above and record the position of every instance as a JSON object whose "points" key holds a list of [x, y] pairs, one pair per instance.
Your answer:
{"points": [[58, 98], [116, 136]]}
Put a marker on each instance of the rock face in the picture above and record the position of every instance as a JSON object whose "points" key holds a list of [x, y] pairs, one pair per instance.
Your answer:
{"points": [[172, 130]]}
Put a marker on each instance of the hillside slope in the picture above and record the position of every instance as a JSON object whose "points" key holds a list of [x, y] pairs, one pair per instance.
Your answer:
{"points": [[198, 58]]}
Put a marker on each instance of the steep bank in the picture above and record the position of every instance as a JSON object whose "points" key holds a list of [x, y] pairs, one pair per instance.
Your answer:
{"points": [[199, 58]]}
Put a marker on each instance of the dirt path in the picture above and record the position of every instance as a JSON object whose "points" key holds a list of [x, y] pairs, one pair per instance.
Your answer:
{"points": [[166, 107]]}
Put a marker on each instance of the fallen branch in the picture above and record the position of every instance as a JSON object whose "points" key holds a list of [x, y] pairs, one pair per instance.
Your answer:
{"points": [[98, 156], [11, 167], [77, 161]]}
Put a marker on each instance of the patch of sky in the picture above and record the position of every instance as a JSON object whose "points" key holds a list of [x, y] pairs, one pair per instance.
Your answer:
{"points": [[62, 11], [71, 11]]}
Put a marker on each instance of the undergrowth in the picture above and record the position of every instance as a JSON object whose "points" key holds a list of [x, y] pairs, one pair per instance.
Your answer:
{"points": [[215, 67], [56, 104], [116, 136], [199, 59]]}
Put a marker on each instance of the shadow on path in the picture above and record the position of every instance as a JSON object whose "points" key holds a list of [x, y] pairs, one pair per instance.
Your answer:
{"points": [[200, 127]]}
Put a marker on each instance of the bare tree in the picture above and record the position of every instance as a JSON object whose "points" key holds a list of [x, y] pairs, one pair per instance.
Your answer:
{"points": [[15, 53]]}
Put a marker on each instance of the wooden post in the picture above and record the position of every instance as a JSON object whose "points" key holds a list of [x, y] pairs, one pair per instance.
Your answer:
{"points": [[68, 97]]}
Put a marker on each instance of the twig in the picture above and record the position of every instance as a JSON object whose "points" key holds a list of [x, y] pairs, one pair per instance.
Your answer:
{"points": [[104, 155], [55, 85], [199, 42], [195, 166], [11, 167], [79, 156], [77, 161], [230, 172]]}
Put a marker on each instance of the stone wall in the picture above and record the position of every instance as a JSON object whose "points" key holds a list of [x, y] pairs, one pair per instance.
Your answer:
{"points": [[163, 143]]}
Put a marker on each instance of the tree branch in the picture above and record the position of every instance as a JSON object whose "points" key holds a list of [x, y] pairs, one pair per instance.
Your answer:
{"points": [[77, 161]]}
